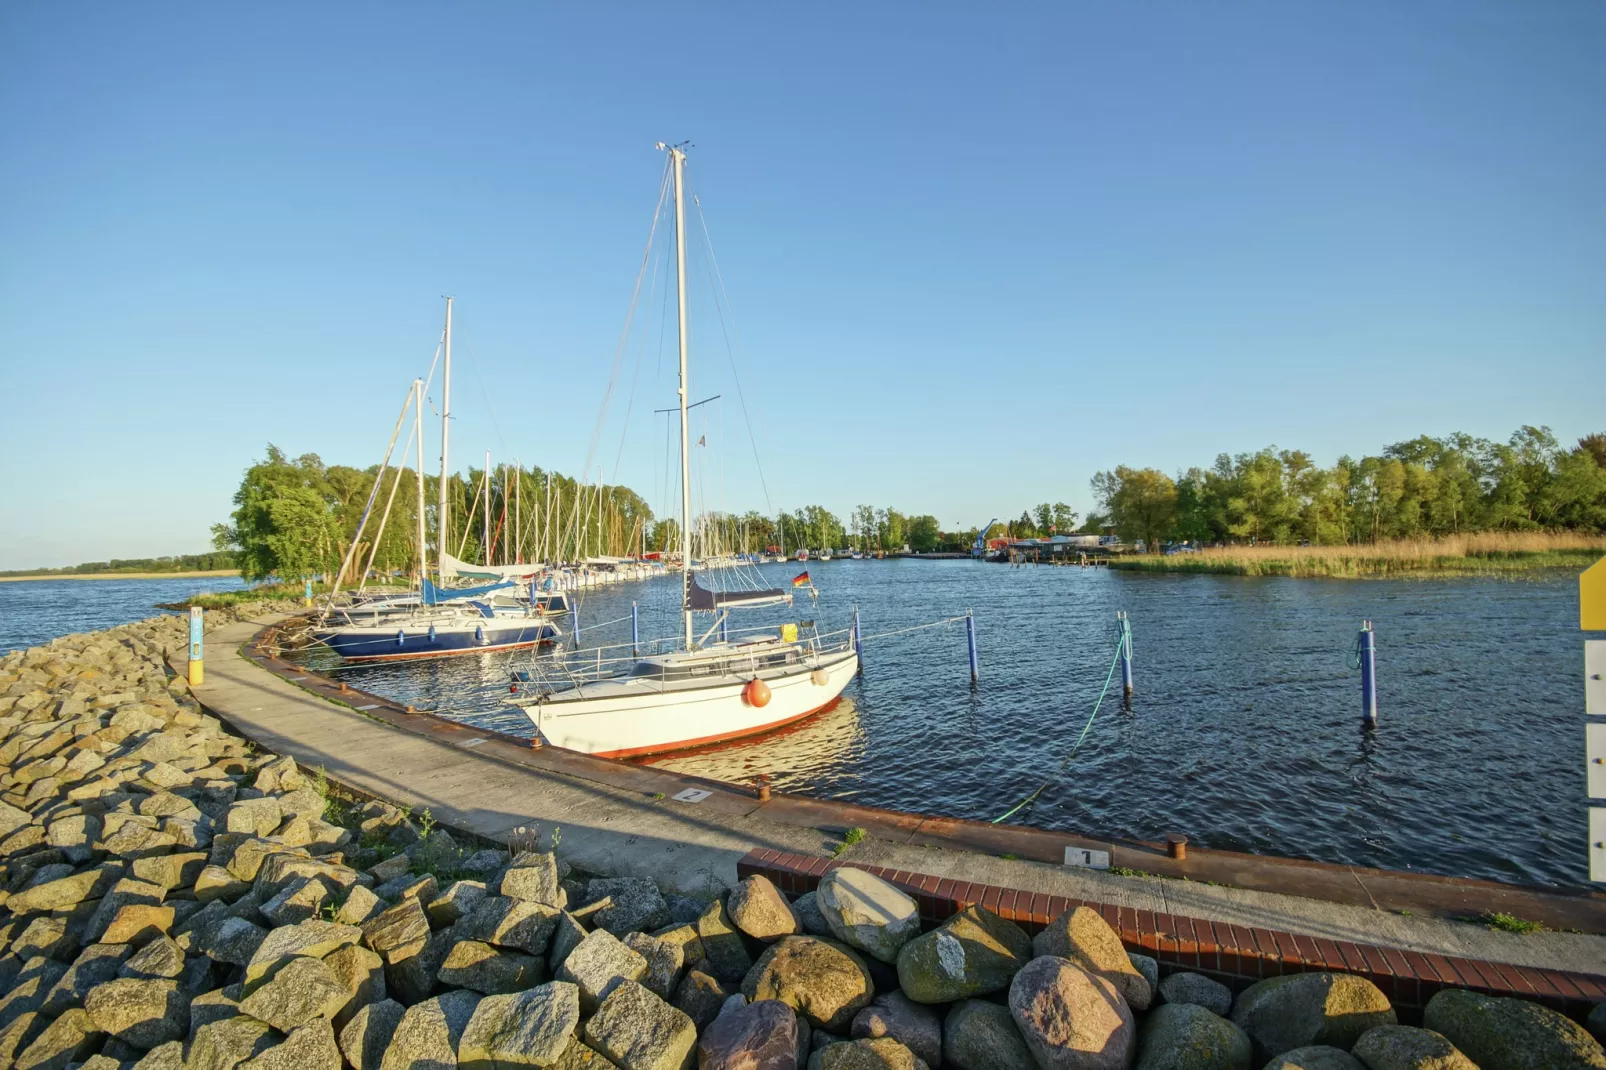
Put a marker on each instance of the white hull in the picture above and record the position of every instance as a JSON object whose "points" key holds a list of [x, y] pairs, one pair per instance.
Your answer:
{"points": [[627, 717]]}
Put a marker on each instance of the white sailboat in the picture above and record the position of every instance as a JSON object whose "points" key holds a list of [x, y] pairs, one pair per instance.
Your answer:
{"points": [[703, 691]]}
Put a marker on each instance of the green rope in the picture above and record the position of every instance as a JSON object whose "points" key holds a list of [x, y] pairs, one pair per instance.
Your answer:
{"points": [[1354, 658], [1121, 643]]}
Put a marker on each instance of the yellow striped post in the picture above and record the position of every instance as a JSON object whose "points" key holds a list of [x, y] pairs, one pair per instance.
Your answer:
{"points": [[197, 634], [1592, 618], [1592, 597]]}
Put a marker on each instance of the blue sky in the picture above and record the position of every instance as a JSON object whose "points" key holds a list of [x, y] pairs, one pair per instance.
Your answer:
{"points": [[972, 257]]}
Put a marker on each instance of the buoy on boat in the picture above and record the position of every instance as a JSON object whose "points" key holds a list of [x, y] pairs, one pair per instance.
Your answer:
{"points": [[820, 677], [757, 693]]}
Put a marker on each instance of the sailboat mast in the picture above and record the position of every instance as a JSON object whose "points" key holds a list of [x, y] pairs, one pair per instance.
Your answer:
{"points": [[678, 158], [485, 526], [446, 431], [418, 418]]}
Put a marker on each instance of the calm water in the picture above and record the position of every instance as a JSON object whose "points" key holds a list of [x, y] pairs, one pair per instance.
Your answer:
{"points": [[1245, 732], [36, 611]]}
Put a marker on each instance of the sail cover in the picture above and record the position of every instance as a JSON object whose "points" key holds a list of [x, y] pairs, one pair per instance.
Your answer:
{"points": [[451, 566], [434, 596], [699, 597]]}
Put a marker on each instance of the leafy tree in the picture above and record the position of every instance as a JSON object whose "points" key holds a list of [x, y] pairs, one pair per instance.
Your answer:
{"points": [[924, 534], [284, 521], [1142, 503]]}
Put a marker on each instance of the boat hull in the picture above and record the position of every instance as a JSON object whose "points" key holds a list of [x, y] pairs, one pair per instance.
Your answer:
{"points": [[488, 637], [656, 721]]}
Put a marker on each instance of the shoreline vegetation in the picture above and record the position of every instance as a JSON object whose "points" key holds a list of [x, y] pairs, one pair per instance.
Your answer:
{"points": [[1482, 554]]}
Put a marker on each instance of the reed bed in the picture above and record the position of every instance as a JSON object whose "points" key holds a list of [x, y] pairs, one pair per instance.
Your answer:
{"points": [[1484, 553]]}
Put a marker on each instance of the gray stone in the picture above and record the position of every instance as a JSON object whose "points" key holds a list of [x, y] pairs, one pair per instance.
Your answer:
{"points": [[428, 1034], [1509, 1034], [1083, 936], [309, 939], [169, 1056], [566, 936], [161, 958], [234, 941], [32, 986], [1314, 1057], [303, 989], [362, 973], [413, 979], [893, 1014], [883, 1053], [531, 1028], [665, 960], [360, 907], [95, 965], [512, 923], [638, 1031], [63, 892], [533, 876], [141, 1011], [69, 1039], [724, 952], [218, 1005], [1400, 1047], [700, 997], [751, 1036], [758, 908], [865, 912], [978, 1035], [823, 981], [489, 970], [364, 1039], [48, 936], [391, 868], [18, 1032], [1304, 1009], [1196, 988], [422, 888], [971, 954], [456, 902], [302, 899], [216, 882], [225, 1044], [636, 904], [253, 817], [400, 932], [1148, 967], [1596, 1022], [1071, 1019], [578, 1056], [806, 908], [126, 892], [308, 1047], [597, 965], [1187, 1036]]}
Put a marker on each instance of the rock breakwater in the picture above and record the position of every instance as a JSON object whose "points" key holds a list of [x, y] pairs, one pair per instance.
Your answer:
{"points": [[171, 897]]}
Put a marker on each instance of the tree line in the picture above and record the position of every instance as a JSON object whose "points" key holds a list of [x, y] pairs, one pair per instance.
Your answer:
{"points": [[299, 517], [1423, 487], [214, 561]]}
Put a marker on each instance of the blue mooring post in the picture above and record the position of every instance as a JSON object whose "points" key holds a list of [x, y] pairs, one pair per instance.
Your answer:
{"points": [[858, 640], [308, 594], [574, 621], [724, 628], [1126, 653], [970, 642], [1368, 648], [635, 630]]}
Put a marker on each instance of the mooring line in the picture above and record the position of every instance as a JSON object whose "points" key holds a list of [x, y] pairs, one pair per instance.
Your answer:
{"points": [[913, 628], [1120, 644]]}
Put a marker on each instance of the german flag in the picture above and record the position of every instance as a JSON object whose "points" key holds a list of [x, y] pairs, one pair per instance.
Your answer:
{"points": [[800, 580]]}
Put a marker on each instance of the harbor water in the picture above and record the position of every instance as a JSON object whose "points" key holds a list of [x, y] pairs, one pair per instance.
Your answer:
{"points": [[37, 611], [1244, 733]]}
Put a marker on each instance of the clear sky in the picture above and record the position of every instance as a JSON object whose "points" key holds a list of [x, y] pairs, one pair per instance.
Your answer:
{"points": [[973, 257]]}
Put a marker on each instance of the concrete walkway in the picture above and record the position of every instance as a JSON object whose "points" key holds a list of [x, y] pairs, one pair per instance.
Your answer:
{"points": [[618, 818]]}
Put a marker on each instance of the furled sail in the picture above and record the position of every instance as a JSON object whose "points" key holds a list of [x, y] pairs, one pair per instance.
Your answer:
{"points": [[451, 566], [702, 599], [434, 596]]}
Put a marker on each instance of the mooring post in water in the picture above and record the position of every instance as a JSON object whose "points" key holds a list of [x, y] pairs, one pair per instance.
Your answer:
{"points": [[858, 641], [197, 649], [1126, 653], [724, 628], [635, 630], [574, 621], [1367, 644], [970, 642], [308, 594]]}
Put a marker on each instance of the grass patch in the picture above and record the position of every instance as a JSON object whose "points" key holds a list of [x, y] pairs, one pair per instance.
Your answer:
{"points": [[1508, 923], [1485, 554], [849, 838]]}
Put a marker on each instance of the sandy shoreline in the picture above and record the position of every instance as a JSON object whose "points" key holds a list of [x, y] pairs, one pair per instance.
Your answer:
{"points": [[123, 575]]}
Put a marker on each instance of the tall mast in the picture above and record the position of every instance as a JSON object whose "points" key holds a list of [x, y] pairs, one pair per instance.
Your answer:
{"points": [[418, 417], [485, 524], [446, 431], [678, 159]]}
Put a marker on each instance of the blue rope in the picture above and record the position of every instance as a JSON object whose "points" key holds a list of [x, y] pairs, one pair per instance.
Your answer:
{"points": [[1121, 643]]}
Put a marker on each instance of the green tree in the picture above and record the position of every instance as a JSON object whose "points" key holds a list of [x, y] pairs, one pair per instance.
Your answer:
{"points": [[284, 521], [1142, 503], [924, 534]]}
